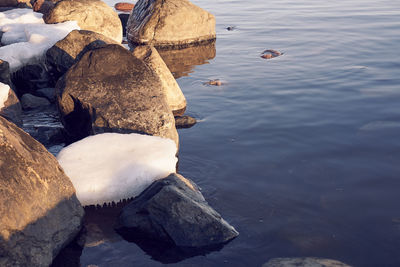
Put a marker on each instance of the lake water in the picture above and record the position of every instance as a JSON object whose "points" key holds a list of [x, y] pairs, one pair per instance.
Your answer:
{"points": [[301, 153]]}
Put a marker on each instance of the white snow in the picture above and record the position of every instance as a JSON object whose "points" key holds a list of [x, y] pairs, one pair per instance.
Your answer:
{"points": [[111, 167], [26, 37], [4, 90]]}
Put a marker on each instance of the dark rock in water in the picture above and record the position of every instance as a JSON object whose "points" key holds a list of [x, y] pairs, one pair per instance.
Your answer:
{"points": [[49, 93], [304, 262], [40, 213], [32, 77], [44, 6], [124, 20], [174, 211], [231, 28], [110, 90], [184, 122], [61, 56], [11, 108], [29, 101], [5, 72], [91, 15], [169, 23]]}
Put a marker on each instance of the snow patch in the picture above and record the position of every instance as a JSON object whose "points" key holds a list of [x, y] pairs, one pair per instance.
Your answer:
{"points": [[111, 167], [4, 90], [27, 38]]}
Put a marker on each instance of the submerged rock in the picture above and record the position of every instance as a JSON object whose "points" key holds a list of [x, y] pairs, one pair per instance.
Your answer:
{"points": [[29, 101], [304, 262], [175, 98], [40, 213], [10, 107], [169, 23], [173, 210], [110, 90], [91, 15], [184, 122]]}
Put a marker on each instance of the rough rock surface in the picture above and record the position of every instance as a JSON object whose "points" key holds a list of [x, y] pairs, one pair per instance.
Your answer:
{"points": [[91, 15], [184, 122], [12, 109], [110, 90], [174, 211], [166, 23], [15, 3], [40, 213], [61, 56], [29, 101], [304, 262], [175, 98]]}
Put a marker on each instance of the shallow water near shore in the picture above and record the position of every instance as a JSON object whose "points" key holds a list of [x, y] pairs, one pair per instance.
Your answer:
{"points": [[301, 153]]}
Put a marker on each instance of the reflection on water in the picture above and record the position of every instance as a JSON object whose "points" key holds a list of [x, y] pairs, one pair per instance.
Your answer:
{"points": [[182, 61]]}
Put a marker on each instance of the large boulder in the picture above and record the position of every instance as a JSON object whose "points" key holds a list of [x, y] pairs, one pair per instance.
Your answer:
{"points": [[10, 107], [110, 90], [15, 3], [91, 15], [174, 211], [175, 98], [166, 23], [304, 262], [61, 56], [40, 213]]}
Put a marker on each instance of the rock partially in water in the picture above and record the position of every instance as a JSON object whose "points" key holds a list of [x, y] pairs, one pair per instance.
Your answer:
{"points": [[184, 122], [110, 90], [175, 98], [32, 77], [169, 23], [91, 15], [216, 82], [174, 211], [10, 107], [29, 101], [270, 53], [304, 262], [40, 213]]}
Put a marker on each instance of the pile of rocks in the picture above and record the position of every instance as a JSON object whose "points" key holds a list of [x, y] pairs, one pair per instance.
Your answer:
{"points": [[99, 86]]}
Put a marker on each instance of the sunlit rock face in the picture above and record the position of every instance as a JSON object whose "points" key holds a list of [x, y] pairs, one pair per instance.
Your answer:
{"points": [[169, 23], [39, 212], [91, 15]]}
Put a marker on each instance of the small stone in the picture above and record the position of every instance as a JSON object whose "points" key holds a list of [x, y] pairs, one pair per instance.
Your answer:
{"points": [[216, 82], [29, 101], [124, 7], [184, 122], [269, 53], [231, 28]]}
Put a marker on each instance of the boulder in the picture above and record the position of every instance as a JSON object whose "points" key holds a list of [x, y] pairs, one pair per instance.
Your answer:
{"points": [[10, 107], [169, 23], [173, 210], [304, 262], [175, 98], [40, 213], [44, 6], [91, 15], [29, 101], [110, 90], [184, 122], [61, 56], [49, 93], [15, 3]]}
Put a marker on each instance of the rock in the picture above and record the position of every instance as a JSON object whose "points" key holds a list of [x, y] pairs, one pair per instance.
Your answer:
{"points": [[304, 262], [15, 3], [269, 53], [40, 213], [32, 77], [175, 98], [91, 15], [216, 82], [110, 90], [124, 20], [11, 108], [174, 211], [49, 93], [184, 122], [5, 72], [169, 23], [61, 56], [43, 6], [181, 62], [29, 101], [124, 7]]}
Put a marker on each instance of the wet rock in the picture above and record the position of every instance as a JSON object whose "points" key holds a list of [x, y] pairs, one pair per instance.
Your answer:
{"points": [[61, 56], [11, 108], [169, 23], [173, 210], [110, 90], [304, 262], [231, 28], [184, 122], [29, 101], [268, 54], [16, 3], [48, 93], [91, 15], [175, 98], [32, 77], [5, 72], [124, 7], [216, 82], [40, 213]]}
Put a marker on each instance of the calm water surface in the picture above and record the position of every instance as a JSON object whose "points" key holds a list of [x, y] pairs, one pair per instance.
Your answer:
{"points": [[300, 153]]}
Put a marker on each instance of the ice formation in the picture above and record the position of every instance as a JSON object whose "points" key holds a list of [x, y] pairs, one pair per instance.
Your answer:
{"points": [[26, 37], [110, 167], [4, 90]]}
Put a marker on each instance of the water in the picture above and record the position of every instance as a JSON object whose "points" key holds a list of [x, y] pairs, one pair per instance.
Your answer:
{"points": [[301, 152]]}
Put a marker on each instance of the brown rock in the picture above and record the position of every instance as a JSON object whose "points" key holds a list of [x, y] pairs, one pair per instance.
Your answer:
{"points": [[11, 109], [184, 122], [124, 7], [304, 262]]}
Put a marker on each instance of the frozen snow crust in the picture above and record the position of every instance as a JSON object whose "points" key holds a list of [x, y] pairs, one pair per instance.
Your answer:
{"points": [[4, 90], [111, 167], [26, 37]]}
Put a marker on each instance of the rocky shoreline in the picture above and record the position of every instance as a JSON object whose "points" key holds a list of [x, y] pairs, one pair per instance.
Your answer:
{"points": [[97, 86]]}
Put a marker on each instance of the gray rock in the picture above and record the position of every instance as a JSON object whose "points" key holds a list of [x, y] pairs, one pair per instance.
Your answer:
{"points": [[124, 20], [304, 262], [110, 90], [169, 23], [61, 56], [184, 122], [40, 213], [29, 101], [32, 77], [49, 93], [5, 72], [91, 15], [12, 109], [174, 211]]}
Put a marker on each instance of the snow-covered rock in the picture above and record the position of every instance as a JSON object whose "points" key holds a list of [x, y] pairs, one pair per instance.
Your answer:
{"points": [[26, 37], [110, 167]]}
